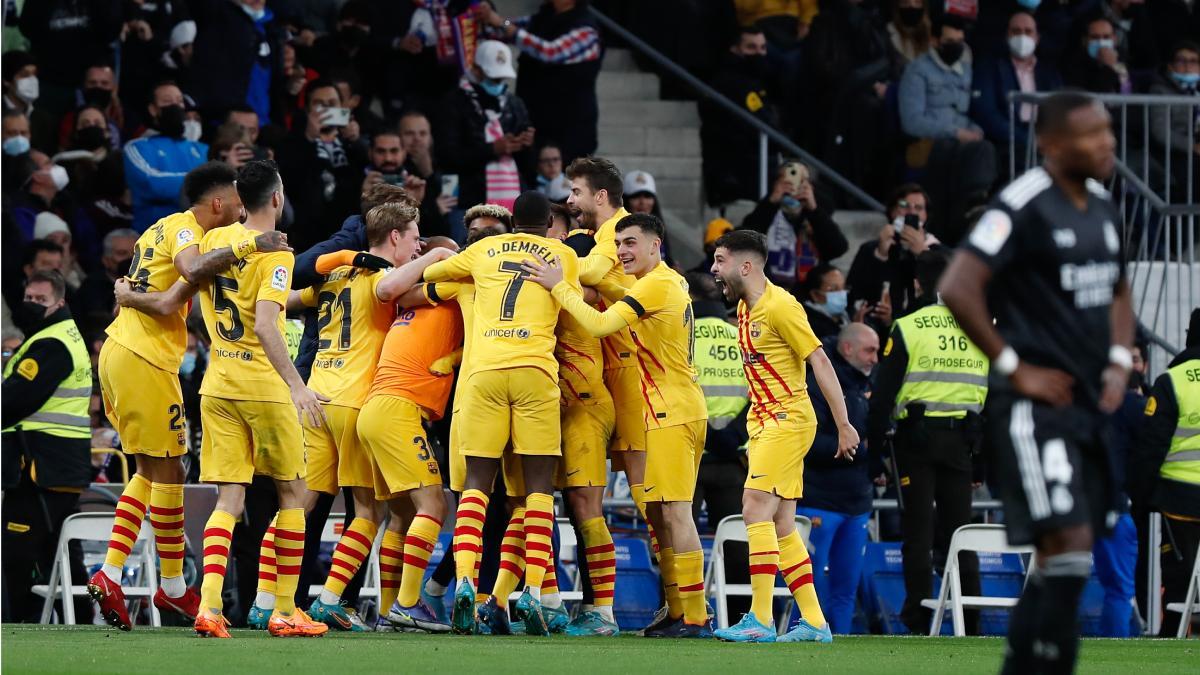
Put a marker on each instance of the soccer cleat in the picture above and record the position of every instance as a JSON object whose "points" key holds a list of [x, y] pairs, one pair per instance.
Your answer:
{"points": [[334, 616], [357, 625], [463, 620], [557, 618], [258, 618], [494, 618], [298, 624], [420, 616], [662, 621], [532, 613], [590, 624], [749, 629], [683, 629], [186, 605], [437, 603], [211, 624], [804, 631], [111, 599], [382, 625]]}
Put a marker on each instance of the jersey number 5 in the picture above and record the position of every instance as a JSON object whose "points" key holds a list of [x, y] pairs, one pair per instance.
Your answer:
{"points": [[327, 301], [223, 303], [509, 308]]}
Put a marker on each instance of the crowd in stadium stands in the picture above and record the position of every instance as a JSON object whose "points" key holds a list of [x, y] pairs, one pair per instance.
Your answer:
{"points": [[107, 104]]}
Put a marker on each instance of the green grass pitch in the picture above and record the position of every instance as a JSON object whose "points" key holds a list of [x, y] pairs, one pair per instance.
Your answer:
{"points": [[94, 649]]}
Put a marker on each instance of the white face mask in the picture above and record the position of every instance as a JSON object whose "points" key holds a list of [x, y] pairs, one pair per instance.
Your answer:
{"points": [[191, 130], [59, 176], [1022, 46], [27, 89]]}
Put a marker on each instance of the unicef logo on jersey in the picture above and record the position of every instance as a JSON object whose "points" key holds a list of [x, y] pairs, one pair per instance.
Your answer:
{"points": [[519, 333], [522, 333]]}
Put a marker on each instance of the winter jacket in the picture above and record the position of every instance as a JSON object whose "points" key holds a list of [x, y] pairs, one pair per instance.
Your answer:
{"points": [[934, 98], [154, 169]]}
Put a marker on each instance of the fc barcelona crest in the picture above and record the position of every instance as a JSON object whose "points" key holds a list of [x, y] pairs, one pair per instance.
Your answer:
{"points": [[755, 329]]}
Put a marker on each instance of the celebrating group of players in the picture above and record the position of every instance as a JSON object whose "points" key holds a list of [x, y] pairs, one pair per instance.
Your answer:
{"points": [[571, 351]]}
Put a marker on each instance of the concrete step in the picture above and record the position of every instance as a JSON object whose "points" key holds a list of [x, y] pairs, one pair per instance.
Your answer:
{"points": [[659, 167], [614, 86], [649, 114], [619, 60], [657, 141], [681, 195]]}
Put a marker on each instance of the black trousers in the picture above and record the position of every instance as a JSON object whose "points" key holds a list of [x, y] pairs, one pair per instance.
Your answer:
{"points": [[719, 486], [935, 467], [33, 518], [1178, 556]]}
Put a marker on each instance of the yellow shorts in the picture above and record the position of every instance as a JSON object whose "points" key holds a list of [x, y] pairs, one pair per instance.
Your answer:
{"points": [[625, 387], [673, 460], [390, 430], [243, 438], [585, 433], [776, 455], [517, 403], [143, 402], [332, 454], [458, 461]]}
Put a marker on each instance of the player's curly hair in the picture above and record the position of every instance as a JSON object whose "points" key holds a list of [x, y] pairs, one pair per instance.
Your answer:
{"points": [[488, 211]]}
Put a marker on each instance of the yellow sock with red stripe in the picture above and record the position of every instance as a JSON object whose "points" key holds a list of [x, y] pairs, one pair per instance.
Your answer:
{"points": [[539, 518], [265, 592], [689, 571], [166, 517], [764, 564], [512, 557], [131, 510], [798, 573], [418, 547], [666, 567], [468, 535], [289, 552], [638, 494], [391, 568], [601, 558], [217, 533], [351, 550], [550, 580]]}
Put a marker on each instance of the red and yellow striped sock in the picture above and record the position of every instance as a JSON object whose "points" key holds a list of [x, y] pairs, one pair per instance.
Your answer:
{"points": [[266, 569], [217, 533], [764, 563], [539, 518], [289, 552], [468, 535], [512, 557], [798, 573], [550, 580], [689, 570], [349, 554], [418, 547], [666, 567], [131, 510], [166, 517], [638, 494], [601, 558], [391, 568]]}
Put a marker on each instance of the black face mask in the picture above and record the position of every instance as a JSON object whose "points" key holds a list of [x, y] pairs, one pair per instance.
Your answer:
{"points": [[97, 97], [121, 265], [170, 121], [755, 64], [353, 36], [1136, 380], [29, 315], [90, 138], [910, 16], [950, 52]]}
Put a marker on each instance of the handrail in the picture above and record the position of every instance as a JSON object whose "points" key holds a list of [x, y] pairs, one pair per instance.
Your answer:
{"points": [[713, 95], [1108, 99]]}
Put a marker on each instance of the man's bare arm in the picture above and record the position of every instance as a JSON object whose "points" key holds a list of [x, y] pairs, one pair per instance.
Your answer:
{"points": [[266, 328], [401, 279], [155, 303], [198, 268]]}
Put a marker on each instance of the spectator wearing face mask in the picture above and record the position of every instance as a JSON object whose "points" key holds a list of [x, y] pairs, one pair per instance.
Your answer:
{"points": [[240, 40], [99, 90], [95, 300], [350, 46], [1096, 65], [176, 60], [22, 89], [825, 299], [1170, 125], [144, 39], [156, 163], [14, 130], [996, 78], [909, 31], [41, 184], [49, 227]]}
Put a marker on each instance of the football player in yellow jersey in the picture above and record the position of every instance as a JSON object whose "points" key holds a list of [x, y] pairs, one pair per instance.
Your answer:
{"points": [[511, 391], [776, 343], [139, 377], [658, 309]]}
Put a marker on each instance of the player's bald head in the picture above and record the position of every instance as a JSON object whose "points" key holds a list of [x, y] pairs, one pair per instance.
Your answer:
{"points": [[440, 242]]}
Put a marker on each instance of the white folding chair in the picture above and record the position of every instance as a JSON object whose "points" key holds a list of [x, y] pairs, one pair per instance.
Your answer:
{"points": [[568, 551], [97, 527], [331, 532], [1191, 604], [733, 528], [976, 538]]}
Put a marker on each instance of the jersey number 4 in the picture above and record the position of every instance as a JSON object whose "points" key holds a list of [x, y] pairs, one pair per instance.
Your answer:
{"points": [[328, 302]]}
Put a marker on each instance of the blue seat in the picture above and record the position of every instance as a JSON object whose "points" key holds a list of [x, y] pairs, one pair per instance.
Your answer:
{"points": [[638, 590], [1000, 575], [882, 590], [1091, 605]]}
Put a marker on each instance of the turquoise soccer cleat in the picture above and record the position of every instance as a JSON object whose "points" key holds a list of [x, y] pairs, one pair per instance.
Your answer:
{"points": [[749, 629], [494, 617], [463, 620], [258, 618], [804, 631], [592, 624], [531, 612], [335, 616], [437, 603], [556, 618]]}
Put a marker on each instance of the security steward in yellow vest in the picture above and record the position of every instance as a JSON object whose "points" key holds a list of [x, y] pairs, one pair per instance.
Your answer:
{"points": [[932, 383], [719, 367], [46, 439], [1164, 468]]}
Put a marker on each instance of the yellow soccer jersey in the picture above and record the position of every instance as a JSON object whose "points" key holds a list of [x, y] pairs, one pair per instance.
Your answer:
{"points": [[580, 364], [465, 297], [161, 340], [602, 263], [238, 368], [513, 322], [659, 311], [775, 339], [352, 324]]}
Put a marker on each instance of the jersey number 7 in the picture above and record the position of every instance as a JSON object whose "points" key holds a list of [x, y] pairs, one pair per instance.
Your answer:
{"points": [[508, 308]]}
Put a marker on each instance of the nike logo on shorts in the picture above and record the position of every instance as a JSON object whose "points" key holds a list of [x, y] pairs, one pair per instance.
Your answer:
{"points": [[572, 473], [756, 476], [647, 489]]}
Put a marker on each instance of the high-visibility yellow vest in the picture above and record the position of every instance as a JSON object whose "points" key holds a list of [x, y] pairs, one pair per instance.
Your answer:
{"points": [[1182, 462], [65, 413], [719, 367], [946, 372]]}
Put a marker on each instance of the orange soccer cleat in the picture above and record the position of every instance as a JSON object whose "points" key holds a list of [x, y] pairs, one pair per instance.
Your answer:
{"points": [[211, 624], [297, 624]]}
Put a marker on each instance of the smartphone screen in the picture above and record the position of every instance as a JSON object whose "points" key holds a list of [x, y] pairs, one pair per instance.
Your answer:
{"points": [[450, 184]]}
